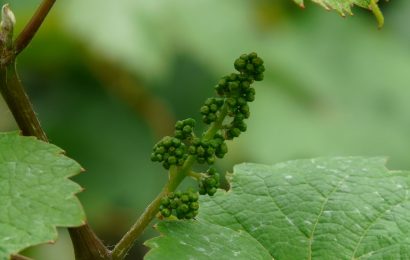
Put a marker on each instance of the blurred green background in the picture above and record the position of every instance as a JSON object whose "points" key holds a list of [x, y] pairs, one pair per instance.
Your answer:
{"points": [[109, 78]]}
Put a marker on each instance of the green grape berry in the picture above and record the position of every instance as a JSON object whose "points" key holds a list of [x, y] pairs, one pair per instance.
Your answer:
{"points": [[165, 201], [204, 110], [232, 133], [185, 198], [194, 205], [221, 150], [211, 191], [192, 150], [172, 160], [190, 215], [165, 212], [193, 197], [174, 203], [210, 160], [183, 208]]}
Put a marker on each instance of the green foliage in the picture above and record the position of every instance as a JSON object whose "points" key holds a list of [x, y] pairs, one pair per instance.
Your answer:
{"points": [[338, 208], [35, 194], [235, 93]]}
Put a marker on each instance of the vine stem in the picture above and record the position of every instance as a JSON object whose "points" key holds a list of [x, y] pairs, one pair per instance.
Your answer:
{"points": [[123, 246], [176, 176], [86, 243], [19, 103], [195, 175], [27, 34]]}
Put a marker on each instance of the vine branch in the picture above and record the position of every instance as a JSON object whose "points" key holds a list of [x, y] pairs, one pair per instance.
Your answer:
{"points": [[87, 245], [27, 34], [19, 103], [123, 246]]}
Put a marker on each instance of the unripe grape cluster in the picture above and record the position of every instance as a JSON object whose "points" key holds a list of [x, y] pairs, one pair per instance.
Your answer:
{"points": [[210, 108], [205, 151], [250, 64], [209, 183], [226, 115], [184, 129], [184, 205], [237, 91], [170, 151]]}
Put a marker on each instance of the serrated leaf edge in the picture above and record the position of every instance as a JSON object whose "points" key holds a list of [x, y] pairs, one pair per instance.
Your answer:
{"points": [[342, 10], [60, 153]]}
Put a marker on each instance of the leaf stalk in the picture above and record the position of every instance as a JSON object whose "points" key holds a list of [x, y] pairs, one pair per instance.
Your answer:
{"points": [[377, 13]]}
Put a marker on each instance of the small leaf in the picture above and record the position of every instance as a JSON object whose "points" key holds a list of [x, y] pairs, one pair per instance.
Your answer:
{"points": [[325, 208], [35, 194], [344, 7]]}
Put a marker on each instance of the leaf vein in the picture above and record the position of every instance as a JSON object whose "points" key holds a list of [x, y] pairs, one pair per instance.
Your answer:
{"points": [[277, 205], [310, 239], [366, 230]]}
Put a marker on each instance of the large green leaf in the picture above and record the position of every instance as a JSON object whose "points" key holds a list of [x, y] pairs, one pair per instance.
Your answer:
{"points": [[35, 194], [326, 208]]}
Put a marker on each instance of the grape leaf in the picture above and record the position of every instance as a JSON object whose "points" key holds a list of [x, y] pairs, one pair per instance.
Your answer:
{"points": [[341, 6], [35, 194], [333, 208], [344, 6]]}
